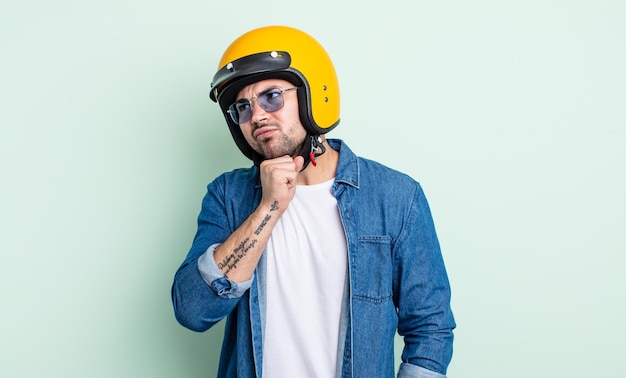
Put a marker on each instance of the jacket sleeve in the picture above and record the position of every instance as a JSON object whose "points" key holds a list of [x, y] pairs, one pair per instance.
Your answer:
{"points": [[201, 296], [422, 294]]}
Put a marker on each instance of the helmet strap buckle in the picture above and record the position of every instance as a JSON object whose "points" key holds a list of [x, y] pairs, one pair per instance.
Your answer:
{"points": [[317, 149]]}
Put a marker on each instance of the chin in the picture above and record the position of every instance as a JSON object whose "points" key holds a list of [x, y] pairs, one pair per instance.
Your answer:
{"points": [[271, 152]]}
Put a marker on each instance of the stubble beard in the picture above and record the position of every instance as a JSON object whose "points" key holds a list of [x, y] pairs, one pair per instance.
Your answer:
{"points": [[279, 144]]}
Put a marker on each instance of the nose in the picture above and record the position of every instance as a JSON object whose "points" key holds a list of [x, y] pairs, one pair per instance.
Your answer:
{"points": [[258, 113]]}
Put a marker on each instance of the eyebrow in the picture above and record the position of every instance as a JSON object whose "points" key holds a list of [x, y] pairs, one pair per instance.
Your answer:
{"points": [[261, 92]]}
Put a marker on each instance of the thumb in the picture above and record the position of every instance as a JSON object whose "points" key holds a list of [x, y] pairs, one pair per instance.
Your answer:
{"points": [[299, 161]]}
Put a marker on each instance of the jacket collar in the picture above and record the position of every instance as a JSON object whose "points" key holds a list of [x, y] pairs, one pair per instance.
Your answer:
{"points": [[348, 166]]}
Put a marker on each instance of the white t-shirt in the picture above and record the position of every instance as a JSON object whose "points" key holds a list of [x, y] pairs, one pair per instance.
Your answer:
{"points": [[306, 270]]}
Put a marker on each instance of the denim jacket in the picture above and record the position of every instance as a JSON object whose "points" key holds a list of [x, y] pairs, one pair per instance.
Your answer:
{"points": [[396, 274]]}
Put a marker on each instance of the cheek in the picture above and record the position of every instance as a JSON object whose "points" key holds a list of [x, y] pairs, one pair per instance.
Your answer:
{"points": [[297, 129], [246, 130], [295, 126]]}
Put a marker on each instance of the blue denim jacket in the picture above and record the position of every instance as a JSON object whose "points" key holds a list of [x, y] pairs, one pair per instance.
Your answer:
{"points": [[397, 278]]}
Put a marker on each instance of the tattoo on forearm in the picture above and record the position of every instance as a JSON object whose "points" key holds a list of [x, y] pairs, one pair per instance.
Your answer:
{"points": [[262, 225], [230, 262], [274, 207]]}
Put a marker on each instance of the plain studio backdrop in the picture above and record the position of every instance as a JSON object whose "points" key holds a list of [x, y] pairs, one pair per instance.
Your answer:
{"points": [[512, 115]]}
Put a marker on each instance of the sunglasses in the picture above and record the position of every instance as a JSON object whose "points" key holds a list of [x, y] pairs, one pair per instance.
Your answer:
{"points": [[270, 101]]}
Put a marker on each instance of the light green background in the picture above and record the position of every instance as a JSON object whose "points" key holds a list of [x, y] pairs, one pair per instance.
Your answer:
{"points": [[512, 114]]}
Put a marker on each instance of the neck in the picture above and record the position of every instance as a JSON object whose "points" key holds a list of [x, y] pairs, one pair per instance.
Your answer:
{"points": [[325, 169]]}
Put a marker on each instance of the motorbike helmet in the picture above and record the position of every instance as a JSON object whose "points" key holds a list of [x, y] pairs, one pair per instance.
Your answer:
{"points": [[280, 52]]}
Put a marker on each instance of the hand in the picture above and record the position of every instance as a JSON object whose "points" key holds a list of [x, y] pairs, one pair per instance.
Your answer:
{"points": [[278, 180]]}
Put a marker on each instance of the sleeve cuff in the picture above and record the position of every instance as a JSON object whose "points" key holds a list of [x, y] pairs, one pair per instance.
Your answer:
{"points": [[413, 371], [215, 279]]}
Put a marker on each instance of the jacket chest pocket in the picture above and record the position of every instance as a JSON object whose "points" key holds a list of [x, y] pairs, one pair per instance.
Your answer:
{"points": [[372, 269]]}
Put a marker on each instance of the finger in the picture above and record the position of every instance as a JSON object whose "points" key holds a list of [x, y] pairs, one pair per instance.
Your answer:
{"points": [[282, 162]]}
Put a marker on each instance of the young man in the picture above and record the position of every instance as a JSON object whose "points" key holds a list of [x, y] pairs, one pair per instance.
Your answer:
{"points": [[315, 256]]}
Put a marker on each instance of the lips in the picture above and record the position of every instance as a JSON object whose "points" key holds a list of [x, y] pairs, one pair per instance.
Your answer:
{"points": [[264, 132]]}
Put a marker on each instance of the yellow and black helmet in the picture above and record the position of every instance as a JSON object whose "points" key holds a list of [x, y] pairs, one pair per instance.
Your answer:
{"points": [[279, 52]]}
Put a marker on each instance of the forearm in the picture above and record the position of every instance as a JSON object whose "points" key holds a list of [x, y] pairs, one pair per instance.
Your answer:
{"points": [[238, 256], [209, 284], [201, 297]]}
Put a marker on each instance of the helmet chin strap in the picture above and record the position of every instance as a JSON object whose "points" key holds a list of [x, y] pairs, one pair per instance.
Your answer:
{"points": [[311, 148]]}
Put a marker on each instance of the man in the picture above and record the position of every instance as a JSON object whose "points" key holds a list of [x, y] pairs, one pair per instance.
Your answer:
{"points": [[315, 256]]}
